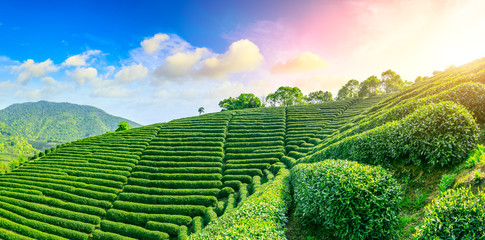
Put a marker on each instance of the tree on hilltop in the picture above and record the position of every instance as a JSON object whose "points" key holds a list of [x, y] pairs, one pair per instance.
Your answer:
{"points": [[285, 96], [319, 97], [122, 126], [349, 90], [245, 100], [369, 87], [201, 110], [391, 81]]}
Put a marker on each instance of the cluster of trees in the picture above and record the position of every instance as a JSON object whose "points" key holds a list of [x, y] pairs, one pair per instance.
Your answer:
{"points": [[286, 96], [390, 82]]}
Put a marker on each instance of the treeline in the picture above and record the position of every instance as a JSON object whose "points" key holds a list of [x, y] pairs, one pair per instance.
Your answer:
{"points": [[286, 96]]}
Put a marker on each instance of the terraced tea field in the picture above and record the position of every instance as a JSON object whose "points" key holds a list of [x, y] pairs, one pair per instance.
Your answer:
{"points": [[172, 180]]}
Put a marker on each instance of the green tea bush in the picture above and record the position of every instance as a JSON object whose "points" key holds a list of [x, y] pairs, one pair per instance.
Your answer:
{"points": [[241, 178], [141, 219], [168, 199], [25, 230], [454, 214], [187, 210], [210, 215], [175, 183], [261, 216], [439, 134], [132, 231], [352, 200], [100, 235], [168, 191], [197, 224], [170, 228], [183, 233], [225, 192]]}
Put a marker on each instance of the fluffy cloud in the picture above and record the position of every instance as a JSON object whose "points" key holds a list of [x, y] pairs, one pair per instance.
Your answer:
{"points": [[30, 69], [80, 59], [154, 44], [83, 75], [181, 64], [242, 55], [189, 63], [131, 73], [305, 62]]}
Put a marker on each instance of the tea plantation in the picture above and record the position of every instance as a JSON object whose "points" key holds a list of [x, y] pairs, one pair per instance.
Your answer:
{"points": [[363, 168]]}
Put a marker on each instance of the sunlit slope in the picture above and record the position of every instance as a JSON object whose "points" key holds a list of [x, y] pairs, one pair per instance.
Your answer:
{"points": [[65, 194], [170, 180]]}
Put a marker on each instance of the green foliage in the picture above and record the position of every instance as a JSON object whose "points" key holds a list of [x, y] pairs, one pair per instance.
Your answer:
{"points": [[261, 216], [352, 200], [391, 81], [446, 181], [245, 100], [45, 121], [349, 90], [369, 87], [454, 214], [122, 126], [285, 96], [201, 110], [319, 97], [440, 134], [132, 231], [225, 192]]}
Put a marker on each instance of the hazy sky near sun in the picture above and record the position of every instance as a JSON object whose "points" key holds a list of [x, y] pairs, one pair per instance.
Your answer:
{"points": [[154, 61]]}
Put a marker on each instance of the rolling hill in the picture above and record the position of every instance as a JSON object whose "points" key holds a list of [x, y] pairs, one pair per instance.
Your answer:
{"points": [[230, 175], [64, 122]]}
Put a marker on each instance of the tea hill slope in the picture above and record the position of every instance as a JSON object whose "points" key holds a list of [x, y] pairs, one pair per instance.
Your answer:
{"points": [[43, 121], [217, 176]]}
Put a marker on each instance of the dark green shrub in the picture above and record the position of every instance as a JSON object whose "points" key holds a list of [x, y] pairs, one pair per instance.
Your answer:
{"points": [[226, 191], [439, 134], [197, 224], [352, 200], [233, 184], [168, 199], [210, 215], [170, 228], [141, 219], [169, 191], [178, 176], [132, 231], [25, 230], [100, 235], [175, 183], [244, 171], [56, 203], [183, 233], [454, 214], [241, 178], [41, 154], [188, 210]]}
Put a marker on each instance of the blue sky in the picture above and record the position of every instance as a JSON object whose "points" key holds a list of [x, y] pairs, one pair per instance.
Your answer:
{"points": [[153, 61]]}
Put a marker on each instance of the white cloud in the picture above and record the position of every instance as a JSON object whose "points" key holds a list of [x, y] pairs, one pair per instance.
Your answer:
{"points": [[305, 62], [154, 44], [49, 81], [7, 85], [181, 64], [131, 73], [242, 56], [30, 69], [83, 75], [80, 59]]}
